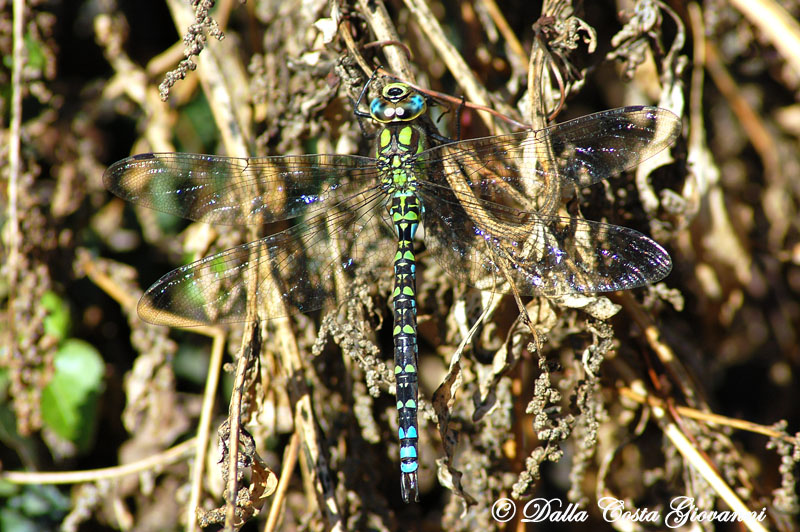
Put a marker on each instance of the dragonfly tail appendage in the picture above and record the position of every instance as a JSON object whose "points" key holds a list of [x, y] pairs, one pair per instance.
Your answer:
{"points": [[491, 209]]}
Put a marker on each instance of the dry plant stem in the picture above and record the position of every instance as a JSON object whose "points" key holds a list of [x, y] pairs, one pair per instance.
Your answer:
{"points": [[381, 24], [692, 188], [244, 360], [708, 57], [445, 395], [536, 79], [287, 467], [14, 169], [474, 90], [129, 77], [705, 469], [777, 24], [721, 240], [505, 30], [217, 349], [291, 364], [170, 456], [223, 105], [754, 127], [223, 13], [234, 418], [441, 96], [352, 47], [163, 62], [707, 417], [218, 94], [668, 423], [680, 377], [204, 428], [131, 80]]}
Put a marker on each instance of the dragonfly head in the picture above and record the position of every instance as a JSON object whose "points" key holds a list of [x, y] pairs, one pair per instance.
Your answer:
{"points": [[397, 103]]}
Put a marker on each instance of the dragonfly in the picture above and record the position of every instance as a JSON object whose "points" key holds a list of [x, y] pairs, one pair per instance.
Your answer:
{"points": [[489, 208]]}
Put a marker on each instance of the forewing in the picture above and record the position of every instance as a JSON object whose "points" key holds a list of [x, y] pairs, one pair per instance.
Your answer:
{"points": [[238, 191], [528, 170]]}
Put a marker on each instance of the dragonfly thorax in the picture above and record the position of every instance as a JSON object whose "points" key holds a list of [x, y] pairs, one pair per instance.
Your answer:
{"points": [[466, 190], [400, 139], [398, 146]]}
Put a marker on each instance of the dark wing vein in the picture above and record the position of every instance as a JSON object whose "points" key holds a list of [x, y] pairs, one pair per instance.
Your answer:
{"points": [[238, 191], [528, 169], [540, 254], [294, 270], [479, 194]]}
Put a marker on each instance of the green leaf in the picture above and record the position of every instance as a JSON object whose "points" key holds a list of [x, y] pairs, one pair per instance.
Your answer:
{"points": [[36, 58], [7, 489], [57, 322], [33, 508], [69, 402], [14, 521]]}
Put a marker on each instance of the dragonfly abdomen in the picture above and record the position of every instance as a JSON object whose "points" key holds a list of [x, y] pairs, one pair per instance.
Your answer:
{"points": [[405, 211], [475, 193]]}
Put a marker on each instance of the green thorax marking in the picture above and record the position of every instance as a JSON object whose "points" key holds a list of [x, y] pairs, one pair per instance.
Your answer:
{"points": [[401, 138]]}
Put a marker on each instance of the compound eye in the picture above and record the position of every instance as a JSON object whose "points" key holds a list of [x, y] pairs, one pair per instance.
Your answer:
{"points": [[397, 103], [411, 108], [378, 109]]}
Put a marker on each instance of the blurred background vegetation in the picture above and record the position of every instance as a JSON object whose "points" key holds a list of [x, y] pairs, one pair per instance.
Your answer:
{"points": [[711, 353]]}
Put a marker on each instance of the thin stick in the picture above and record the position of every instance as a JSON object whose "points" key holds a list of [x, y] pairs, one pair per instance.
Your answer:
{"points": [[709, 417], [218, 93], [455, 63], [234, 418], [14, 164], [782, 30], [688, 451], [381, 24], [287, 468], [170, 456], [126, 300], [204, 427], [505, 30]]}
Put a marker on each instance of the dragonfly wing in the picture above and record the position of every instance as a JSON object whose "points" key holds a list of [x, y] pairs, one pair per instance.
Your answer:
{"points": [[594, 147], [528, 170], [295, 270], [238, 191], [539, 254]]}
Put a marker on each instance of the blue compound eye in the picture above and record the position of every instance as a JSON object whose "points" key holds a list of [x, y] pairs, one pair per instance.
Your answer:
{"points": [[377, 109], [412, 108], [397, 103]]}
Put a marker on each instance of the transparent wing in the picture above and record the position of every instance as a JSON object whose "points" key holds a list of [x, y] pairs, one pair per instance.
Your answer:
{"points": [[539, 254], [528, 170], [238, 191], [490, 203], [291, 271]]}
